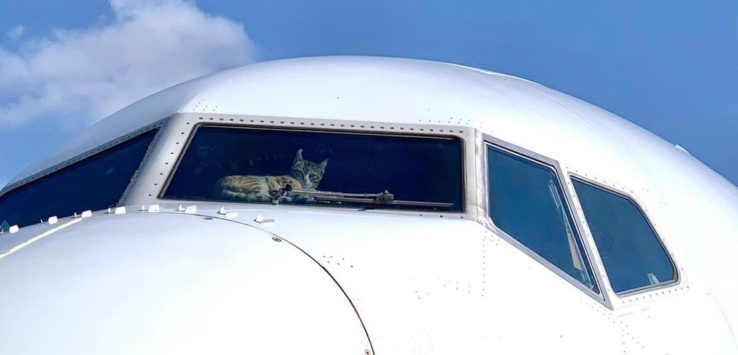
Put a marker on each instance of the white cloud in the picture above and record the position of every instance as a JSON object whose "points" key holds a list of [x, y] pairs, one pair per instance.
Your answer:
{"points": [[16, 33], [89, 73]]}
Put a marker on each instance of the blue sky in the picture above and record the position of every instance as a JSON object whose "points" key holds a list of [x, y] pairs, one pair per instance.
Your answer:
{"points": [[669, 66]]}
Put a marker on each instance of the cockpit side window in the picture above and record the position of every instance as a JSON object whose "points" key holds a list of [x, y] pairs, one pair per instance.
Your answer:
{"points": [[94, 183], [631, 252], [320, 168], [526, 202]]}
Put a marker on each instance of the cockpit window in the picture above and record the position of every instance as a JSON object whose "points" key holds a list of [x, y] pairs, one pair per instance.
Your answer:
{"points": [[321, 169], [94, 183], [630, 250], [527, 203]]}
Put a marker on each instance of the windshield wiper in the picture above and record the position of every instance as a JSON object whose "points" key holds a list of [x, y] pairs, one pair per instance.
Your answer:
{"points": [[384, 198]]}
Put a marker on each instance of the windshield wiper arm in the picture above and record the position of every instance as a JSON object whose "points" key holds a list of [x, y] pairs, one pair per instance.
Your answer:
{"points": [[384, 198]]}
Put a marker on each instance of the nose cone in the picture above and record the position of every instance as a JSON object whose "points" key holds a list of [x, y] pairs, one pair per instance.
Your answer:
{"points": [[170, 284]]}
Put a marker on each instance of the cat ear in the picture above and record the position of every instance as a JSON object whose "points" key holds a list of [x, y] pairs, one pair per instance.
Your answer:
{"points": [[323, 164], [298, 163]]}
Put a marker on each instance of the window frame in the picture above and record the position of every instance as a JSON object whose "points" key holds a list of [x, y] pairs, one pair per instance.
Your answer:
{"points": [[628, 195], [463, 134], [585, 240], [155, 128], [90, 153]]}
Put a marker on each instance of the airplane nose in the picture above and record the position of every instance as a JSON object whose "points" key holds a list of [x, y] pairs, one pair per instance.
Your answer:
{"points": [[171, 284]]}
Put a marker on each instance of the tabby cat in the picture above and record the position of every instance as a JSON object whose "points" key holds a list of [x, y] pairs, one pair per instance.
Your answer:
{"points": [[256, 188]]}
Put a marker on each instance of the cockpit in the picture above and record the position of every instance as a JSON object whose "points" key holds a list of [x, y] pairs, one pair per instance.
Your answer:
{"points": [[417, 169], [423, 196]]}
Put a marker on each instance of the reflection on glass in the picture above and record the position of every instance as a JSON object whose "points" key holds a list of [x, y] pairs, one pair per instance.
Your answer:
{"points": [[526, 202], [630, 250], [320, 168]]}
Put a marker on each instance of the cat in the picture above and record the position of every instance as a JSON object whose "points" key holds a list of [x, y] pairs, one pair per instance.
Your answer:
{"points": [[304, 174]]}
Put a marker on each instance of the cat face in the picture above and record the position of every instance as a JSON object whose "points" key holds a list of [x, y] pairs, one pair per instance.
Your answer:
{"points": [[306, 172]]}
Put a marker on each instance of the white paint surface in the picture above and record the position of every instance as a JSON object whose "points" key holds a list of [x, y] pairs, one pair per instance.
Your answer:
{"points": [[163, 282]]}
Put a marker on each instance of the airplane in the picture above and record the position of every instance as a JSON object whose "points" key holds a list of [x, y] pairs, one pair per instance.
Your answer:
{"points": [[367, 205]]}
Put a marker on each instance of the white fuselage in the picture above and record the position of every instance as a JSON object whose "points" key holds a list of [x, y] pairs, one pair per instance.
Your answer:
{"points": [[185, 276]]}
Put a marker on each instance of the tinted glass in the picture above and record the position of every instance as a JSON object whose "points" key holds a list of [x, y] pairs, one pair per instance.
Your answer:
{"points": [[94, 183], [630, 250], [527, 203], [253, 165]]}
